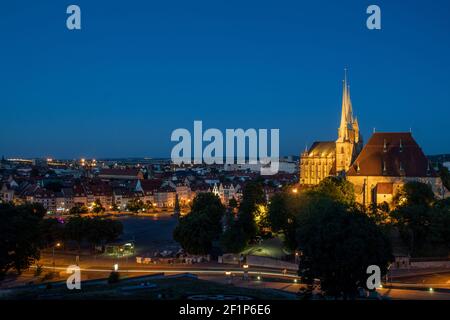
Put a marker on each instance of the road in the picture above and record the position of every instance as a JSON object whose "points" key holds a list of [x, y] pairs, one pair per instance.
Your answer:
{"points": [[410, 288]]}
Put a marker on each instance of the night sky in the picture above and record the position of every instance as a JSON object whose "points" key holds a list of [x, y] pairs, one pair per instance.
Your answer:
{"points": [[139, 69]]}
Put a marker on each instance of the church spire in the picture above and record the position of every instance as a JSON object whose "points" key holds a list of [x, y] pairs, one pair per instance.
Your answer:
{"points": [[345, 112], [349, 106]]}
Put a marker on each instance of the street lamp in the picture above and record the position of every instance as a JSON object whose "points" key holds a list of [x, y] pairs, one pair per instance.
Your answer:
{"points": [[57, 245]]}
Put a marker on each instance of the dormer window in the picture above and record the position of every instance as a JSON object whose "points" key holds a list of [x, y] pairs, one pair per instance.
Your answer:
{"points": [[384, 146], [384, 167]]}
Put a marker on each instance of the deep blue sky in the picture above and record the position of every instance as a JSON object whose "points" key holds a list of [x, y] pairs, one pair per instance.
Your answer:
{"points": [[139, 69]]}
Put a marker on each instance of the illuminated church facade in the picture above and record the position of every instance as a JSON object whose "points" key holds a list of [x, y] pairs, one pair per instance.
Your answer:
{"points": [[330, 158], [377, 170]]}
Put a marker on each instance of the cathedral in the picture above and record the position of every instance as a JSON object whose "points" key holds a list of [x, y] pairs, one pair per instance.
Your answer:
{"points": [[329, 158], [377, 170]]}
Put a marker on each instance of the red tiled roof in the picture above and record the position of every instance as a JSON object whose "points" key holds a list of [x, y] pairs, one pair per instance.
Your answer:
{"points": [[391, 154], [151, 184]]}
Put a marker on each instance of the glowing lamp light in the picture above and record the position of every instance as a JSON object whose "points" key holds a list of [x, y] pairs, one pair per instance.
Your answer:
{"points": [[116, 267], [245, 266]]}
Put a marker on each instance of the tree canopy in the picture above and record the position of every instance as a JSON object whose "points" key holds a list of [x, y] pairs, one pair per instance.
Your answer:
{"points": [[336, 188], [338, 243], [423, 220], [252, 197], [202, 225], [20, 239]]}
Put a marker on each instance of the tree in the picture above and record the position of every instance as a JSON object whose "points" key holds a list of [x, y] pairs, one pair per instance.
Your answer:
{"points": [[338, 243], [135, 205], [253, 195], [414, 193], [196, 231], [283, 210], [261, 219], [93, 230], [279, 213], [51, 231], [440, 224], [78, 209], [115, 207], [75, 229], [380, 213], [445, 176], [111, 229], [336, 188], [413, 213], [233, 239], [97, 207], [148, 205], [20, 239], [211, 205]]}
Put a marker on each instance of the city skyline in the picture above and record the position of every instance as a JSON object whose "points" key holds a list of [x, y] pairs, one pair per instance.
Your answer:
{"points": [[224, 158], [122, 84]]}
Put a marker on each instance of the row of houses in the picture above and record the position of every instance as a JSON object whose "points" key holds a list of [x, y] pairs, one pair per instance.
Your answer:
{"points": [[59, 191], [156, 192]]}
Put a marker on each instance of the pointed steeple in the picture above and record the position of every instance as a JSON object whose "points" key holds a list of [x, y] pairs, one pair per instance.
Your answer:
{"points": [[349, 106], [345, 110]]}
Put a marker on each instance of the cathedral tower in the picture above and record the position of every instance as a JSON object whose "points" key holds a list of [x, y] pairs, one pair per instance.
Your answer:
{"points": [[330, 158], [349, 142]]}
